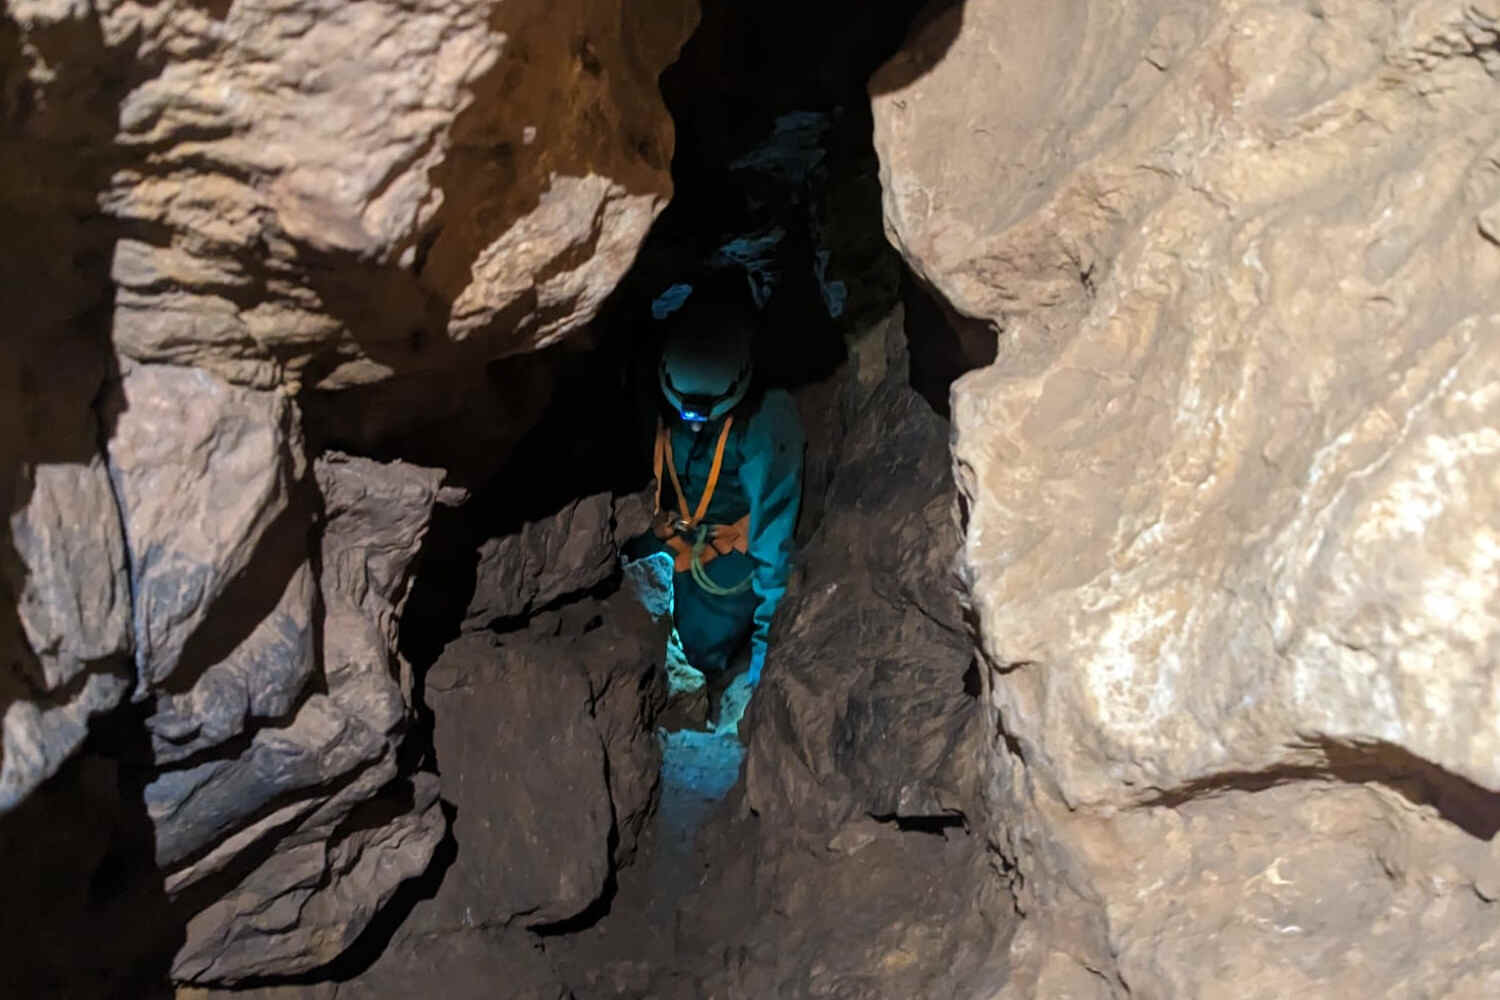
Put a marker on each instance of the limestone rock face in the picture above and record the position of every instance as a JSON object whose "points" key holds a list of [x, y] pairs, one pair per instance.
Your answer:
{"points": [[321, 790], [203, 470], [329, 193], [71, 620], [252, 792], [246, 234], [1231, 486]]}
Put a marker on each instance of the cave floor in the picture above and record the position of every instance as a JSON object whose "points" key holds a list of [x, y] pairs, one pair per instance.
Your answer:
{"points": [[869, 917], [706, 910]]}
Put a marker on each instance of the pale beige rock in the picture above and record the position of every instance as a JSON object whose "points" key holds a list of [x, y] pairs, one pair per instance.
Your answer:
{"points": [[213, 206], [330, 192], [73, 613], [1232, 483], [202, 469]]}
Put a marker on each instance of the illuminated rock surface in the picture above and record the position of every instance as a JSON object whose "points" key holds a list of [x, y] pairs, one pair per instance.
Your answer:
{"points": [[1231, 486]]}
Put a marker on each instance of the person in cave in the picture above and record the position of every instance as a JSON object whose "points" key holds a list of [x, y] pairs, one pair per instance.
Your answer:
{"points": [[728, 463]]}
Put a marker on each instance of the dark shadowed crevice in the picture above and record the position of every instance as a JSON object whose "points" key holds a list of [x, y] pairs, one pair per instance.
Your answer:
{"points": [[934, 825], [1467, 805], [944, 344]]}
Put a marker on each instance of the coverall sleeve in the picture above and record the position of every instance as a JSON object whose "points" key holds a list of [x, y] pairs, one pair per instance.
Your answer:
{"points": [[771, 474]]}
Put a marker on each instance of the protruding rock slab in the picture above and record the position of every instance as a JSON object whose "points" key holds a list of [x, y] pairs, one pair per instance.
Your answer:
{"points": [[567, 553], [331, 193], [544, 740], [1232, 483], [314, 808], [202, 469], [70, 635]]}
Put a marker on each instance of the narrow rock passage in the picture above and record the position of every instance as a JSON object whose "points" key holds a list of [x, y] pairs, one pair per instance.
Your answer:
{"points": [[1157, 660], [698, 766]]}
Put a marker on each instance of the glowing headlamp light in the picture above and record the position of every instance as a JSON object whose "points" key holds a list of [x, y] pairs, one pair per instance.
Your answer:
{"points": [[697, 409]]}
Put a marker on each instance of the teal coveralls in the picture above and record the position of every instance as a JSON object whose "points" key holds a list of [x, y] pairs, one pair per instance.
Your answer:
{"points": [[761, 476]]}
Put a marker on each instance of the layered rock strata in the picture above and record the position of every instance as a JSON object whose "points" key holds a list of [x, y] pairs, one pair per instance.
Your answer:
{"points": [[226, 217]]}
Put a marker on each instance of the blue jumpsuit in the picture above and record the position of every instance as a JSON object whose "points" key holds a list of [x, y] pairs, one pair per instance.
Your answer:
{"points": [[761, 476]]}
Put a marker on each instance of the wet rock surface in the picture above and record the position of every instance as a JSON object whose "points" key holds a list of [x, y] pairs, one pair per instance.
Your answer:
{"points": [[1230, 483]]}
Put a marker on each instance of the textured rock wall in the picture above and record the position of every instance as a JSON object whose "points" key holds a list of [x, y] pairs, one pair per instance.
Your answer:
{"points": [[546, 744], [241, 232], [1231, 485], [544, 741], [329, 192]]}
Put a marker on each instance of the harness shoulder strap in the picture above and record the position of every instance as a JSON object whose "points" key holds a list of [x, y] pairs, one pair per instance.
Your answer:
{"points": [[665, 457]]}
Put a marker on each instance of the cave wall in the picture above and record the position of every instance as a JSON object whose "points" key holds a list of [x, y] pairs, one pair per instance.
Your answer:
{"points": [[248, 239], [1230, 487]]}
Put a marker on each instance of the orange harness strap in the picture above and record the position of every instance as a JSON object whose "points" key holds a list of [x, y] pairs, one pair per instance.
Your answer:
{"points": [[664, 457], [722, 538]]}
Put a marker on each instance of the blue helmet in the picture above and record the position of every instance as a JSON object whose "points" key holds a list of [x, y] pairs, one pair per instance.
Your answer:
{"points": [[705, 376]]}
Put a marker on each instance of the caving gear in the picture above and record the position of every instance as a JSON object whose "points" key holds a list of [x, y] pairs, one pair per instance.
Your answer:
{"points": [[704, 378], [731, 549], [694, 543]]}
